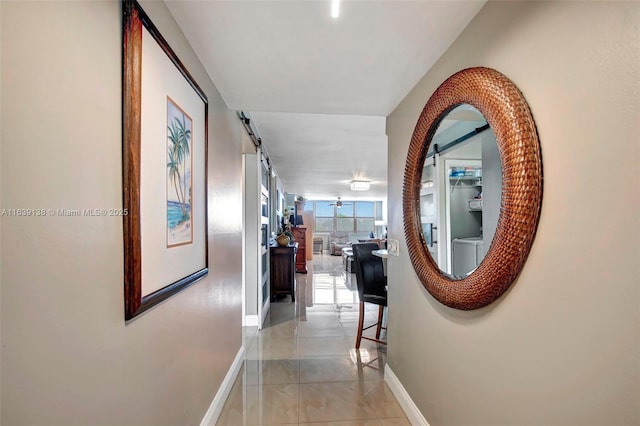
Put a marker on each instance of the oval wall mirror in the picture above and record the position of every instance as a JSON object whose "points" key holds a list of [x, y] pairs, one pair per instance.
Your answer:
{"points": [[472, 188]]}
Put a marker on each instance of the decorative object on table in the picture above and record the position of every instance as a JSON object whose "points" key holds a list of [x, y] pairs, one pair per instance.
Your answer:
{"points": [[285, 236], [164, 134], [283, 239]]}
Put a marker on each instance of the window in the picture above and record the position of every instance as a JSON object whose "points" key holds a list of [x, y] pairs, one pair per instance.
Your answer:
{"points": [[324, 224], [365, 224], [345, 211], [324, 209], [365, 212], [344, 218], [365, 208], [356, 216], [324, 213], [344, 224]]}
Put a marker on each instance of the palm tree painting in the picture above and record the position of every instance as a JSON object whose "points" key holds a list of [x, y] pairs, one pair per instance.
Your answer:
{"points": [[179, 164]]}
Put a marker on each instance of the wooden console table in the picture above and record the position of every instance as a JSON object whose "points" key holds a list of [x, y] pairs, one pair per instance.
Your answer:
{"points": [[283, 270]]}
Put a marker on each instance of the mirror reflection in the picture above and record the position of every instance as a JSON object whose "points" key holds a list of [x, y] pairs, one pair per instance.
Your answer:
{"points": [[461, 187]]}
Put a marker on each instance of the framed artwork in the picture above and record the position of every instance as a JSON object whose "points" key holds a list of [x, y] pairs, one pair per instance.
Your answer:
{"points": [[179, 182], [164, 168]]}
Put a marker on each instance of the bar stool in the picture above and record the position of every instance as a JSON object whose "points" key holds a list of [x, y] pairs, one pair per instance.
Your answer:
{"points": [[372, 287]]}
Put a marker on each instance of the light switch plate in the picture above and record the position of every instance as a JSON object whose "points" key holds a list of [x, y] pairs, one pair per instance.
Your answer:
{"points": [[392, 247]]}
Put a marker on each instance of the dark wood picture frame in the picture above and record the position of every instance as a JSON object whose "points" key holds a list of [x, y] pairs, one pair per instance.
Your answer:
{"points": [[135, 21], [509, 116]]}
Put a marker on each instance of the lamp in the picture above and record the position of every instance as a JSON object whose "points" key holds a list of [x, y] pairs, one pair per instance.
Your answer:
{"points": [[360, 185]]}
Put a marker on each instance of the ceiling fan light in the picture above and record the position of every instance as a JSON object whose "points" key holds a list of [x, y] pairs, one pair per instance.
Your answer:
{"points": [[360, 185]]}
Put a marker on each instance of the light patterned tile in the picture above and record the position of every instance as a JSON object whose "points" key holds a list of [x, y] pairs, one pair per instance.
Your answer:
{"points": [[271, 371], [320, 320], [338, 369], [396, 422], [302, 368], [322, 308], [350, 328], [285, 330], [359, 400], [249, 333], [261, 405], [232, 411], [332, 330], [264, 347], [344, 307], [348, 316], [369, 345], [346, 423], [322, 346], [281, 311]]}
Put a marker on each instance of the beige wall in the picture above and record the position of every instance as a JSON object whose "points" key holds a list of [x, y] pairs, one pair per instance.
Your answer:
{"points": [[67, 356], [562, 346]]}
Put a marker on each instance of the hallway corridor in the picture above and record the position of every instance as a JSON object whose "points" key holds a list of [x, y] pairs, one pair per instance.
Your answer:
{"points": [[302, 367]]}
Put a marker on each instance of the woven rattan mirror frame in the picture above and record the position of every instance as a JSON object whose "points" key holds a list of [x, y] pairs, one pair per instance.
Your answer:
{"points": [[508, 114]]}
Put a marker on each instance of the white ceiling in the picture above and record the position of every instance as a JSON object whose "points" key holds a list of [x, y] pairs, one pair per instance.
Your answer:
{"points": [[318, 89], [339, 148]]}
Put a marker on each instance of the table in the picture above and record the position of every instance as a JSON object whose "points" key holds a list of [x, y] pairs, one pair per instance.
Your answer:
{"points": [[384, 254], [283, 270]]}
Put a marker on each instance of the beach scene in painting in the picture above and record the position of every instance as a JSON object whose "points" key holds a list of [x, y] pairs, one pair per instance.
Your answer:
{"points": [[179, 182]]}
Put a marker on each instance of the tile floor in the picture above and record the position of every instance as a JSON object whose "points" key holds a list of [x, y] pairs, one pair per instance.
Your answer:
{"points": [[302, 367]]}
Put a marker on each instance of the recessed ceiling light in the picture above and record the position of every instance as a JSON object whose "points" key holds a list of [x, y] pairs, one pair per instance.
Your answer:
{"points": [[335, 8]]}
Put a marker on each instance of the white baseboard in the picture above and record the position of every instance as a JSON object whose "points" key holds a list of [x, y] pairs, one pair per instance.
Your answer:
{"points": [[211, 416], [406, 403], [250, 321]]}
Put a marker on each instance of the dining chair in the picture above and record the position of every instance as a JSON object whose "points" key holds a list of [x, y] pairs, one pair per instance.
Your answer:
{"points": [[372, 287]]}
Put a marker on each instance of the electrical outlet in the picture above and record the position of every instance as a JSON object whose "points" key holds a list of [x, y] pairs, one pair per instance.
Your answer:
{"points": [[393, 247]]}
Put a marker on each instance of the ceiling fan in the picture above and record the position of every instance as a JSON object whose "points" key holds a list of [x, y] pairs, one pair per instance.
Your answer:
{"points": [[339, 203]]}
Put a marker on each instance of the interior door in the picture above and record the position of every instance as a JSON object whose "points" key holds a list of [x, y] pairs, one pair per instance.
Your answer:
{"points": [[461, 184], [264, 290]]}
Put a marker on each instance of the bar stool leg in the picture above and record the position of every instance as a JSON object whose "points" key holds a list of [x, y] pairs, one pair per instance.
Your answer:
{"points": [[379, 327], [360, 325]]}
